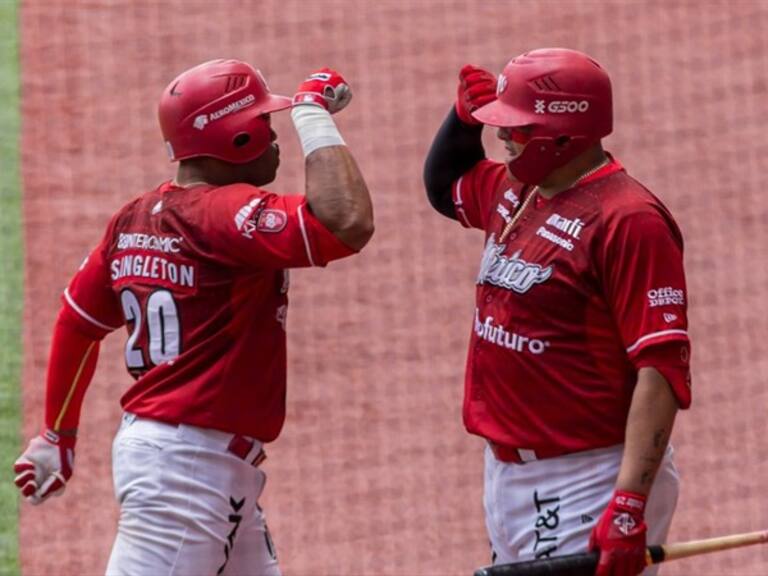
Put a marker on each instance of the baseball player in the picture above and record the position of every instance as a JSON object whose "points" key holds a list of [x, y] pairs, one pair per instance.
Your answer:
{"points": [[196, 270], [578, 359]]}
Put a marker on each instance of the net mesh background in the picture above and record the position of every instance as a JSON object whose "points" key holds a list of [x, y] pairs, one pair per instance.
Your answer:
{"points": [[374, 473]]}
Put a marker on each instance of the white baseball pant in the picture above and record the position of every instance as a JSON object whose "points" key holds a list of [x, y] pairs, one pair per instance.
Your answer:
{"points": [[548, 507], [188, 506]]}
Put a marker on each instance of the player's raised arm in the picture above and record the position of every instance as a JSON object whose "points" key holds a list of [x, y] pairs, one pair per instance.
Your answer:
{"points": [[336, 191], [458, 145]]}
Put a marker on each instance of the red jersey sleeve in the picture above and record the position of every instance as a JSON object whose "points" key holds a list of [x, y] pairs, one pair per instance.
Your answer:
{"points": [[475, 192], [644, 283], [248, 226], [90, 293]]}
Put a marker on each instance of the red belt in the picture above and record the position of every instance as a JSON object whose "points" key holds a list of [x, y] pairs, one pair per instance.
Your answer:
{"points": [[241, 447]]}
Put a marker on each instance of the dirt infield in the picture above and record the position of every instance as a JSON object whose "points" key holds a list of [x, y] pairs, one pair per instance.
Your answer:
{"points": [[374, 473]]}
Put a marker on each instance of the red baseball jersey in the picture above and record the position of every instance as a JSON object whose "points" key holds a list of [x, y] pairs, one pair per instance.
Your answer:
{"points": [[586, 288], [198, 276]]}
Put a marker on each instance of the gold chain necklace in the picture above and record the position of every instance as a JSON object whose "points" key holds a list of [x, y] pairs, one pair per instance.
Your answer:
{"points": [[528, 199]]}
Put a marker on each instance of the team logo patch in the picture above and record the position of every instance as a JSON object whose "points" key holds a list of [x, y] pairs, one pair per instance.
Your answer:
{"points": [[271, 220]]}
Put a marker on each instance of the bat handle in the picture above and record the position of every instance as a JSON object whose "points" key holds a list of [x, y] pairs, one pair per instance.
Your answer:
{"points": [[654, 555]]}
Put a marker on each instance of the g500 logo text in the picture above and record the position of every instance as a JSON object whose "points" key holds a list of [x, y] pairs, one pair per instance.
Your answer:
{"points": [[561, 106]]}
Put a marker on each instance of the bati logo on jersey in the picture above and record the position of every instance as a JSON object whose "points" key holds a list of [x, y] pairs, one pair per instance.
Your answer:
{"points": [[511, 272]]}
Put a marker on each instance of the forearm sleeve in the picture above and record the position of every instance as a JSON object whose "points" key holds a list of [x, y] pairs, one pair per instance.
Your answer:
{"points": [[455, 149], [71, 365]]}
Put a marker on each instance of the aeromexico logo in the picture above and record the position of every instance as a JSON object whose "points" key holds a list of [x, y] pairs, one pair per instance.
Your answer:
{"points": [[202, 120], [511, 272]]}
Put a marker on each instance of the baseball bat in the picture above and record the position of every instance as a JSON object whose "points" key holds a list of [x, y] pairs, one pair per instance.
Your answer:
{"points": [[584, 564]]}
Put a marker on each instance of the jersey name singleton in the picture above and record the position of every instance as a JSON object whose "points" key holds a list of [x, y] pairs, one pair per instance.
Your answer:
{"points": [[151, 259]]}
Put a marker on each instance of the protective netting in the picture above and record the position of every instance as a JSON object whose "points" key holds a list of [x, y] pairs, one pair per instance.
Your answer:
{"points": [[374, 473]]}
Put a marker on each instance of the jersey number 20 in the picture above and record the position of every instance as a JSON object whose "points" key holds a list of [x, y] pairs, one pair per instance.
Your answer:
{"points": [[162, 325]]}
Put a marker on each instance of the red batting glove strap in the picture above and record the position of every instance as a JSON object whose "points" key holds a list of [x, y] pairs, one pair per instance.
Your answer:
{"points": [[477, 87], [620, 536], [326, 88], [45, 466]]}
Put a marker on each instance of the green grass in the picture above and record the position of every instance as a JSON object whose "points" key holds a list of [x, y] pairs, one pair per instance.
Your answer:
{"points": [[11, 275]]}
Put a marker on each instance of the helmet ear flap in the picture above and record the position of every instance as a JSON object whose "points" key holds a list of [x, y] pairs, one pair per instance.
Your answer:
{"points": [[254, 141], [241, 139]]}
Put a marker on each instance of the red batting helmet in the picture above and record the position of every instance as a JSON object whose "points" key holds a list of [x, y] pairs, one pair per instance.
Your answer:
{"points": [[563, 95], [215, 109]]}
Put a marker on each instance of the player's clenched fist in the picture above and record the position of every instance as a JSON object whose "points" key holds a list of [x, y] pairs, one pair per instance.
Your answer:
{"points": [[45, 466], [477, 87], [326, 88], [620, 536]]}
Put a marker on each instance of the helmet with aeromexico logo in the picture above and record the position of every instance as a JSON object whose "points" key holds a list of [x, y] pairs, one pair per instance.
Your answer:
{"points": [[563, 95], [216, 109]]}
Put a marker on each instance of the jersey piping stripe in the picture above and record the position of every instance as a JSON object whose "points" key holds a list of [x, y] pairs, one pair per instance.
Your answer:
{"points": [[73, 387], [304, 235], [654, 335], [459, 204], [85, 314]]}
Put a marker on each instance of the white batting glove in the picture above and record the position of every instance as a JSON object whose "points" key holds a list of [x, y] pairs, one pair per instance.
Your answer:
{"points": [[326, 88], [45, 466]]}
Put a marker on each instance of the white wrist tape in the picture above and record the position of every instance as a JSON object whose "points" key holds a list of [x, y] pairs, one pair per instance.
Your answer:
{"points": [[315, 127]]}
